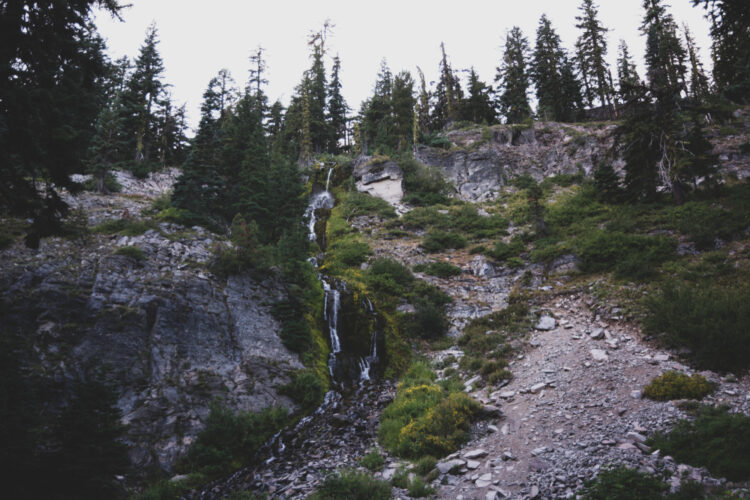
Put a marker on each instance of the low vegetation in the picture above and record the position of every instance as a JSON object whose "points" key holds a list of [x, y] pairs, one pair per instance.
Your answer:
{"points": [[622, 483], [230, 440], [131, 252], [674, 385], [439, 269], [487, 341], [373, 461], [711, 320], [352, 485], [426, 418], [437, 241], [714, 438]]}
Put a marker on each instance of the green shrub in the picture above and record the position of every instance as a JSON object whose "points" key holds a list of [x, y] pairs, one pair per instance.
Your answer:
{"points": [[573, 208], [440, 240], [125, 227], [357, 203], [425, 418], [418, 488], [424, 465], [440, 269], [131, 252], [434, 140], [704, 223], [373, 461], [295, 330], [467, 219], [401, 478], [711, 320], [423, 185], [351, 485], [6, 240], [622, 483], [503, 251], [230, 439], [674, 385], [306, 389], [110, 184], [628, 255], [348, 252], [716, 439], [426, 217], [428, 321]]}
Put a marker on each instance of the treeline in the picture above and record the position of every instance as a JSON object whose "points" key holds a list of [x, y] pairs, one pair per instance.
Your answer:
{"points": [[90, 114]]}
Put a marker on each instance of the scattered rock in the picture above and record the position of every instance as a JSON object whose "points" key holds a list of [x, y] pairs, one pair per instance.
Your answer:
{"points": [[546, 323]]}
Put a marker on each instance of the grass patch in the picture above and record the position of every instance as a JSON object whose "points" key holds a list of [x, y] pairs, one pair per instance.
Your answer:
{"points": [[440, 269], [373, 461], [674, 385], [306, 389], [423, 185], [230, 440], [131, 252], [349, 252], [461, 218], [425, 418], [628, 255], [125, 227], [716, 439], [355, 204], [711, 320], [437, 241], [622, 483], [351, 485]]}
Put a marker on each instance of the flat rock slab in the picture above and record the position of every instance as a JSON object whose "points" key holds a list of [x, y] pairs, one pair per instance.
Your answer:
{"points": [[599, 355], [448, 465], [474, 454], [546, 323]]}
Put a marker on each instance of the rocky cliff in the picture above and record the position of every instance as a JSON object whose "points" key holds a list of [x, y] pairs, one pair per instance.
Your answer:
{"points": [[482, 160], [167, 333]]}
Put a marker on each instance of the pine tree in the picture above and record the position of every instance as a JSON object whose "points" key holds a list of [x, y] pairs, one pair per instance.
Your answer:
{"points": [[316, 95], [627, 75], [40, 95], [698, 88], [376, 114], [731, 46], [402, 106], [571, 108], [107, 145], [557, 98], [661, 141], [423, 117], [591, 52], [665, 56], [200, 187], [477, 107], [513, 79], [145, 89], [306, 146], [447, 94], [337, 110]]}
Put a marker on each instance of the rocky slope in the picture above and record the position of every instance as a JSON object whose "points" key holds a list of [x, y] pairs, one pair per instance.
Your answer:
{"points": [[167, 333]]}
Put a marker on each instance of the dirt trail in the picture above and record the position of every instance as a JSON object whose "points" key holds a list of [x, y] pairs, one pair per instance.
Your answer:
{"points": [[567, 413]]}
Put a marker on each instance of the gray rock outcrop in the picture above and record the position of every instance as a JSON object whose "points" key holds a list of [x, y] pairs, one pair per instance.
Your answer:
{"points": [[481, 161]]}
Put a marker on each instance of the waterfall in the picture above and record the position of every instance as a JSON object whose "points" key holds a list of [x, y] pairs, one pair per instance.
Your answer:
{"points": [[322, 199], [346, 362]]}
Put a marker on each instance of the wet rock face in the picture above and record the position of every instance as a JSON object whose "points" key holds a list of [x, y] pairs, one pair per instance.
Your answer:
{"points": [[482, 162]]}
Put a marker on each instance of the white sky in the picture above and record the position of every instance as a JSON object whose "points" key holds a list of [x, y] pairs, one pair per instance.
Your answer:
{"points": [[199, 37]]}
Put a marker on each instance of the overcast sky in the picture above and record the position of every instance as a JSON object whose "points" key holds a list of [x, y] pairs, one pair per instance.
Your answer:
{"points": [[198, 37]]}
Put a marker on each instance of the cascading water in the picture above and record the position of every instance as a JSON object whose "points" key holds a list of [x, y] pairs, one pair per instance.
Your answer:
{"points": [[322, 199], [347, 361]]}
